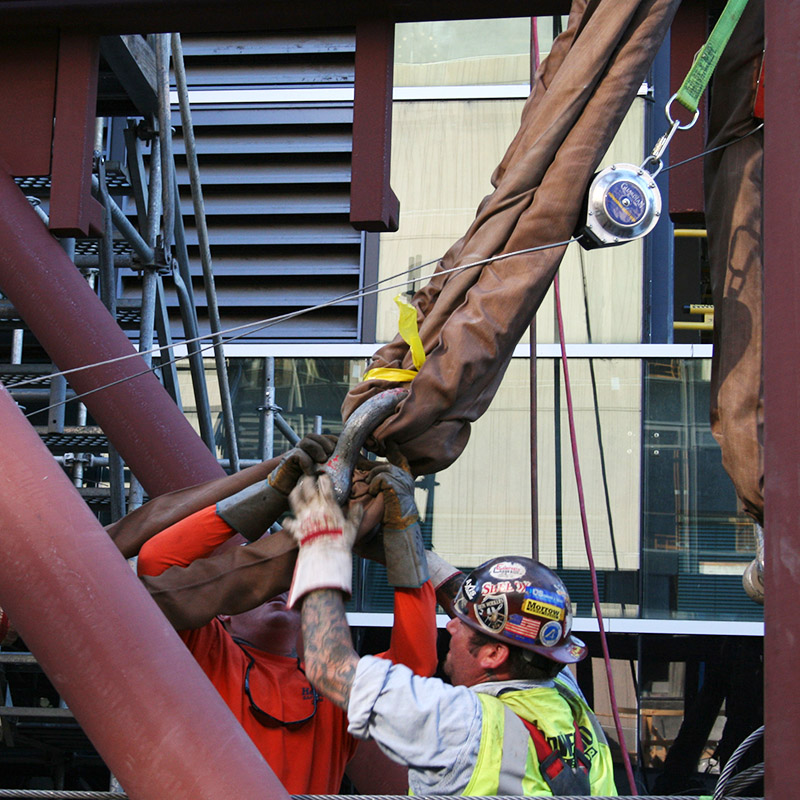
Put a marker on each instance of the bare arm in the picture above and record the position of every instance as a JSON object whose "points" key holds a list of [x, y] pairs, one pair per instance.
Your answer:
{"points": [[226, 583], [330, 660], [134, 529]]}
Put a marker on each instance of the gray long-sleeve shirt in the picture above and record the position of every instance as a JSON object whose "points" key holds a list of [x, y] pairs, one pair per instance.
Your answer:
{"points": [[425, 723]]}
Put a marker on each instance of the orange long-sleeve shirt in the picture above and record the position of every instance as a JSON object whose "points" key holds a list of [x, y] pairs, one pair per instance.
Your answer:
{"points": [[308, 758]]}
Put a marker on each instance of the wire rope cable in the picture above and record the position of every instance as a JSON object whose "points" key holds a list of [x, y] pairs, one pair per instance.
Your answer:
{"points": [[736, 756], [252, 327]]}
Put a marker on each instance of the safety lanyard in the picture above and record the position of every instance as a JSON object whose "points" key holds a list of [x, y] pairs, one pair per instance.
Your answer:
{"points": [[696, 80]]}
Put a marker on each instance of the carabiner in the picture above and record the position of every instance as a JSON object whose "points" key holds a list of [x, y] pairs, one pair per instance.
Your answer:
{"points": [[359, 426]]}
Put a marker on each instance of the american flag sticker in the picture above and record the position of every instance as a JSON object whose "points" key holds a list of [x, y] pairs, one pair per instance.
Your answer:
{"points": [[523, 627]]}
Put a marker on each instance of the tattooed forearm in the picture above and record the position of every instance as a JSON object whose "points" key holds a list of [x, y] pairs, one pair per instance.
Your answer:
{"points": [[330, 659]]}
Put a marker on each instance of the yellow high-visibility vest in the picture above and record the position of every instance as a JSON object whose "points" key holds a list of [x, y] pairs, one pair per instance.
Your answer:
{"points": [[507, 763]]}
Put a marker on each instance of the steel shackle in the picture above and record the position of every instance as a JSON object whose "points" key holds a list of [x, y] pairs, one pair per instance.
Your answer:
{"points": [[341, 465]]}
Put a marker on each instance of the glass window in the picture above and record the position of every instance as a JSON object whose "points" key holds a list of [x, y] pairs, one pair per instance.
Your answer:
{"points": [[462, 52], [443, 155], [308, 393], [695, 542], [668, 539]]}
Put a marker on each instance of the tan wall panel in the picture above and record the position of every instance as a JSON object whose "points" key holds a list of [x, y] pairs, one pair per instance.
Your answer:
{"points": [[443, 156], [619, 399], [482, 503], [612, 276]]}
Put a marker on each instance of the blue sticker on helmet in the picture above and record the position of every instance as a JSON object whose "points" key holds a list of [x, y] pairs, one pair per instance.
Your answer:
{"points": [[545, 596], [550, 633]]}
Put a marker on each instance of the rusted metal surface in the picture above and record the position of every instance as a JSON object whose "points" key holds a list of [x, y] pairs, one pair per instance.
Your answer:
{"points": [[73, 326], [139, 695], [373, 204], [781, 398]]}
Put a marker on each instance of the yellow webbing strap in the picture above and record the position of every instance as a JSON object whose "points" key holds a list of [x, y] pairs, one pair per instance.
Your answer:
{"points": [[409, 332]]}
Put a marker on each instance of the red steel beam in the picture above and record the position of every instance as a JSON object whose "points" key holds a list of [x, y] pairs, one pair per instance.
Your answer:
{"points": [[73, 210], [373, 204], [68, 319], [109, 651], [27, 96], [781, 397], [125, 16], [688, 34]]}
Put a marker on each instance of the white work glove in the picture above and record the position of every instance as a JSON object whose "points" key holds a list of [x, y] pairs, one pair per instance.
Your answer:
{"points": [[253, 509], [324, 536]]}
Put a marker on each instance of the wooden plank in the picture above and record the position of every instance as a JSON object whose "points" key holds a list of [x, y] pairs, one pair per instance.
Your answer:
{"points": [[133, 63]]}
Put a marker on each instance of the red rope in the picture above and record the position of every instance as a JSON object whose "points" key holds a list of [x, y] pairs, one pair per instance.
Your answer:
{"points": [[595, 591]]}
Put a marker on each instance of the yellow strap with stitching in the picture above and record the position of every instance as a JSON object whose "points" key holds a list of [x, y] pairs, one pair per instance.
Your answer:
{"points": [[410, 335]]}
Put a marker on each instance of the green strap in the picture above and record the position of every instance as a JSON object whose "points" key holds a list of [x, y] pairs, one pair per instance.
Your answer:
{"points": [[695, 82]]}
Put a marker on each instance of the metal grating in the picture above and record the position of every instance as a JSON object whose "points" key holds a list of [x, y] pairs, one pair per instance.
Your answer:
{"points": [[129, 314], [90, 247], [86, 441], [16, 373], [96, 497], [117, 179]]}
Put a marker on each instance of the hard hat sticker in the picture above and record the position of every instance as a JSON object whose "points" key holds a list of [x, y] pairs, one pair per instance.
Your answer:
{"points": [[550, 634], [469, 588], [492, 612], [576, 650], [546, 610], [546, 596], [523, 628], [507, 570]]}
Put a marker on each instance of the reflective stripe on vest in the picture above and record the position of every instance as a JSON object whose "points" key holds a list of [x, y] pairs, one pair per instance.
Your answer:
{"points": [[507, 763]]}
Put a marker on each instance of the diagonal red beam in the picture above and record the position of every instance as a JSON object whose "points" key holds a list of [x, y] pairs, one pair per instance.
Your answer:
{"points": [[68, 319], [133, 686]]}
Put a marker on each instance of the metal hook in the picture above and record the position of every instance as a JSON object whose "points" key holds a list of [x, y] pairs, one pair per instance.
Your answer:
{"points": [[359, 426]]}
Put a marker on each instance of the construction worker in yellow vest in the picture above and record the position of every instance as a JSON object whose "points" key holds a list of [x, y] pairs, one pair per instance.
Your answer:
{"points": [[512, 720]]}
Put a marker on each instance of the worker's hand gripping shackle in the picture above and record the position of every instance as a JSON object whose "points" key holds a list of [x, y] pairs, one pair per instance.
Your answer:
{"points": [[359, 426]]}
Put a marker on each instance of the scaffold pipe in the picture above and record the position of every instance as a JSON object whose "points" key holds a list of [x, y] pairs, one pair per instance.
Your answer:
{"points": [[68, 319], [136, 691]]}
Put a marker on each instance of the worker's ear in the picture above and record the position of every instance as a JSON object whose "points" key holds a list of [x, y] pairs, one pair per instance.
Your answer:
{"points": [[492, 656]]}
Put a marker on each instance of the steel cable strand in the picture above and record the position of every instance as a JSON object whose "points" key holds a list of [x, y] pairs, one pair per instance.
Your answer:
{"points": [[61, 794], [251, 327], [491, 797], [736, 756], [744, 779]]}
